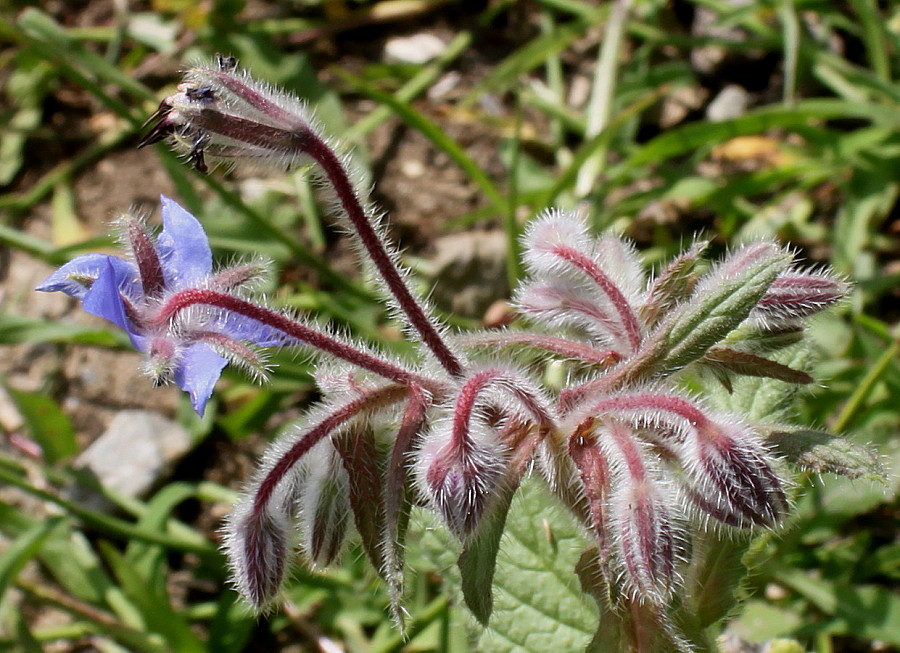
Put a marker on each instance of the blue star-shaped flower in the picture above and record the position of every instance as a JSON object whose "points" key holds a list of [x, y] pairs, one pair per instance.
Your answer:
{"points": [[130, 293]]}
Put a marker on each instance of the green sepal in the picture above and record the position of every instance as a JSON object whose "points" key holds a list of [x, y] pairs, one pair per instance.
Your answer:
{"points": [[820, 452]]}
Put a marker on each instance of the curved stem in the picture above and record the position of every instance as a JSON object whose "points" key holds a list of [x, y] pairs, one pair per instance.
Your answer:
{"points": [[195, 296], [563, 346], [482, 381], [372, 243], [370, 401]]}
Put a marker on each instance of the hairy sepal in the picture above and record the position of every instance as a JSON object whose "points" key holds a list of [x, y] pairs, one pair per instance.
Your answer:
{"points": [[641, 516], [362, 460], [257, 547], [675, 283], [722, 300], [460, 482], [324, 505]]}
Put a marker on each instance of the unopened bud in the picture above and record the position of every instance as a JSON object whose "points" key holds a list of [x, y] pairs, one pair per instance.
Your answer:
{"points": [[641, 518], [733, 475], [796, 295], [460, 478], [257, 548], [324, 505]]}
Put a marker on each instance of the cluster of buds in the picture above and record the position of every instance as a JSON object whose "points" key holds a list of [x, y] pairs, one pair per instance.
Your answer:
{"points": [[641, 462]]}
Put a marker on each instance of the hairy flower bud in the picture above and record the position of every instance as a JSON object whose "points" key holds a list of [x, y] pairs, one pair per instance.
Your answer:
{"points": [[732, 472], [796, 295], [257, 545], [222, 114], [458, 476], [641, 517], [324, 505]]}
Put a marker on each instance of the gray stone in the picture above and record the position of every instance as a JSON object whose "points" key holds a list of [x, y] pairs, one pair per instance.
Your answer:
{"points": [[730, 103], [418, 48], [137, 450]]}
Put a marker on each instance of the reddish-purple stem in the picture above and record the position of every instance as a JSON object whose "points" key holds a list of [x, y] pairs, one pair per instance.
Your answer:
{"points": [[313, 436], [343, 188], [653, 401], [195, 296], [562, 346], [478, 383], [616, 298]]}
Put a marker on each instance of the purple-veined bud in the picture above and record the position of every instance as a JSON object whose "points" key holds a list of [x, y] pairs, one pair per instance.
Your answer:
{"points": [[725, 461], [732, 473], [462, 460], [562, 303], [796, 295], [324, 505], [257, 545], [551, 235], [641, 517], [459, 473], [143, 251], [607, 271], [302, 470]]}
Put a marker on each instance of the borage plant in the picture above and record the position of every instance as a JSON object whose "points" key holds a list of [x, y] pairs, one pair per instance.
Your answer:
{"points": [[644, 463]]}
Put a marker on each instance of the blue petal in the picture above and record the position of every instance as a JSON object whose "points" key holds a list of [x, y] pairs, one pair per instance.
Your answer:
{"points": [[183, 247], [104, 300], [240, 327], [198, 369], [71, 277]]}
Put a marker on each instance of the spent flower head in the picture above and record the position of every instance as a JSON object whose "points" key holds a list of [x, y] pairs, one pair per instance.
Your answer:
{"points": [[644, 464]]}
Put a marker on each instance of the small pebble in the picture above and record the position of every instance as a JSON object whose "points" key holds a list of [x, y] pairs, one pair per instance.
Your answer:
{"points": [[418, 48]]}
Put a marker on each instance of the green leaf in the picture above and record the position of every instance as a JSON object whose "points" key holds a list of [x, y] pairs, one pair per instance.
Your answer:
{"points": [[863, 611], [762, 399], [154, 605], [149, 560], [23, 549], [16, 329], [478, 559], [47, 424], [538, 603], [713, 576], [69, 558], [26, 87], [704, 135], [760, 621], [819, 452], [533, 54], [231, 627]]}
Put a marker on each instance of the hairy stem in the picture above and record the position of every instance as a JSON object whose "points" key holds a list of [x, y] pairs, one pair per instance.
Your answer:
{"points": [[374, 246], [193, 297], [369, 401]]}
